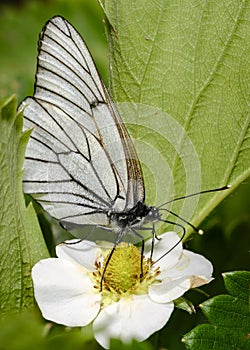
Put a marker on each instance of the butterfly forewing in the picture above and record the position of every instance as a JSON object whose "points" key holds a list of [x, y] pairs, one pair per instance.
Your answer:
{"points": [[80, 162]]}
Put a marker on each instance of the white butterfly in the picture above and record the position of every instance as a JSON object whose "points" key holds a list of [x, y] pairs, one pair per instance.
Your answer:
{"points": [[80, 164]]}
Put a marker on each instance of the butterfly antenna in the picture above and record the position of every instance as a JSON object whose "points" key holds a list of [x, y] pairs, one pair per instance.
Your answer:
{"points": [[186, 222], [196, 194]]}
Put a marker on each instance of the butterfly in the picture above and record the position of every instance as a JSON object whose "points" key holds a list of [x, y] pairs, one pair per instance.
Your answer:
{"points": [[81, 164]]}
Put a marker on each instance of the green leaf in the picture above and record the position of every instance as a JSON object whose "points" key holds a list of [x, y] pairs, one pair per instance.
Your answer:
{"points": [[16, 330], [229, 318], [182, 69], [26, 331], [207, 337], [21, 241], [18, 44], [184, 304], [237, 284], [227, 311], [134, 345]]}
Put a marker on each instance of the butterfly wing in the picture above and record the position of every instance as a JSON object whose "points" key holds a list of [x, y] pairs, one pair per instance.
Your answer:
{"points": [[80, 162]]}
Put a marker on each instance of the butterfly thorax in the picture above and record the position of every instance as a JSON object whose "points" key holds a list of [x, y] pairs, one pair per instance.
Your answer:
{"points": [[135, 216]]}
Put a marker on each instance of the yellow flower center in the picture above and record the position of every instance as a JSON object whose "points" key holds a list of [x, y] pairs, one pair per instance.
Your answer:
{"points": [[125, 273]]}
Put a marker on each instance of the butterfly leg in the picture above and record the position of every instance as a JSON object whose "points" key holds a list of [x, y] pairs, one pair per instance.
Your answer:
{"points": [[142, 248], [117, 241], [154, 237], [71, 243]]}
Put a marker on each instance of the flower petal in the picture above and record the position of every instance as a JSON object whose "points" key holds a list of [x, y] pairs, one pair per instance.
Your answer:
{"points": [[64, 292], [167, 291], [85, 253], [163, 246], [189, 264], [199, 266], [134, 318], [191, 271]]}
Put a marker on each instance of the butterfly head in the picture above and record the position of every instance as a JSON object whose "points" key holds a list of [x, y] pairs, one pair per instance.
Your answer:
{"points": [[153, 214]]}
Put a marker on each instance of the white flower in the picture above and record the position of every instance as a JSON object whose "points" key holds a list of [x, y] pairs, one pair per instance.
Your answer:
{"points": [[67, 288]]}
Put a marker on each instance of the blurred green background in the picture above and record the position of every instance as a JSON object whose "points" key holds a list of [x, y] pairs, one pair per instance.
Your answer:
{"points": [[226, 239], [20, 24]]}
